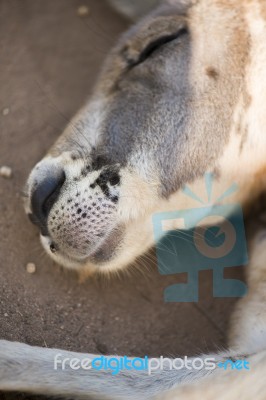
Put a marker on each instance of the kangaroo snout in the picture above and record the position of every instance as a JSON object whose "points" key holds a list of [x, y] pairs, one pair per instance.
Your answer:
{"points": [[75, 208]]}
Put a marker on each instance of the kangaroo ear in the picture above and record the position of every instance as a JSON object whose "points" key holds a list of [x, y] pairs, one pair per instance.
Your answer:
{"points": [[134, 9]]}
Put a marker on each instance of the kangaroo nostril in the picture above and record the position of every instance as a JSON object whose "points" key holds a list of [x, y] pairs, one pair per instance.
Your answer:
{"points": [[45, 195]]}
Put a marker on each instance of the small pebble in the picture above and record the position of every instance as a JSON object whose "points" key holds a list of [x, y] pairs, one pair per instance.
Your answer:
{"points": [[5, 172], [83, 11], [5, 111], [6, 314], [31, 268]]}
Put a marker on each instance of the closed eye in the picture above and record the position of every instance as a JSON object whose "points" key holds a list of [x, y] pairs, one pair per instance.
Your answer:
{"points": [[155, 45]]}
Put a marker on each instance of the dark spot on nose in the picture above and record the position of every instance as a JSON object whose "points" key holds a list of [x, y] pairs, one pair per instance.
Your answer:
{"points": [[114, 179], [108, 176], [44, 197]]}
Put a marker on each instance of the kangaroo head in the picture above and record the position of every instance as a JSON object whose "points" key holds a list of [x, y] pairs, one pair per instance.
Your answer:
{"points": [[180, 95]]}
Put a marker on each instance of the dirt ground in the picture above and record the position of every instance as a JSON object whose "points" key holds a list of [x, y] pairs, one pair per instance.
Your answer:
{"points": [[50, 58]]}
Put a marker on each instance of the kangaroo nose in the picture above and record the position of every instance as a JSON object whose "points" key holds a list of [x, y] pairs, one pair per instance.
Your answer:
{"points": [[44, 196]]}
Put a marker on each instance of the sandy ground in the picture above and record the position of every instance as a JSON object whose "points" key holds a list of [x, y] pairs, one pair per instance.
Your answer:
{"points": [[50, 58]]}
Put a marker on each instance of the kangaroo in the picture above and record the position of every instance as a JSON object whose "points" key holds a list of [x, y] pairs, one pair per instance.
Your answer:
{"points": [[181, 94]]}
